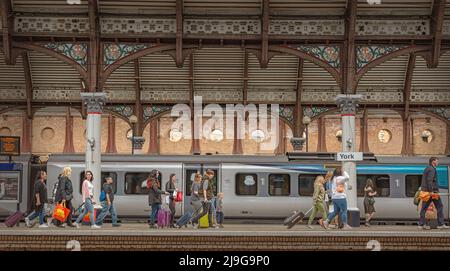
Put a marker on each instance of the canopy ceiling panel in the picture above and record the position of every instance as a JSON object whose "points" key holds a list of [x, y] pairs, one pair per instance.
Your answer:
{"points": [[11, 76], [159, 71], [47, 71], [49, 6], [219, 68], [281, 73], [122, 78], [387, 76], [437, 79], [222, 7]]}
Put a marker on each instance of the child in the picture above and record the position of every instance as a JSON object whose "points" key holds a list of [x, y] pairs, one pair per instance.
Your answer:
{"points": [[219, 209]]}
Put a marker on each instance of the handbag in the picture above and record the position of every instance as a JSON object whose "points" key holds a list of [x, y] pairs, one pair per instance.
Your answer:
{"points": [[424, 196], [179, 196], [61, 212]]}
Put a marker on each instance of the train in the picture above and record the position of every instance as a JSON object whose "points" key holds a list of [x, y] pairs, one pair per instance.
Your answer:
{"points": [[254, 187]]}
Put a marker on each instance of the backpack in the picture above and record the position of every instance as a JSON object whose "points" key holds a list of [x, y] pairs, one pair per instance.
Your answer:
{"points": [[103, 195]]}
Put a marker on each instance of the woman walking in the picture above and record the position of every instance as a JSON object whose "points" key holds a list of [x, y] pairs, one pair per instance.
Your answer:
{"points": [[154, 196], [39, 199], [318, 201], [170, 188], [339, 186], [87, 192]]}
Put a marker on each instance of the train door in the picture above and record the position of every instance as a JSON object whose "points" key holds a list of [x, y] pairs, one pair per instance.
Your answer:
{"points": [[189, 173]]}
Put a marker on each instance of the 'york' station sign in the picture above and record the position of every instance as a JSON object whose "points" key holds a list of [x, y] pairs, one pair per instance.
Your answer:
{"points": [[349, 156]]}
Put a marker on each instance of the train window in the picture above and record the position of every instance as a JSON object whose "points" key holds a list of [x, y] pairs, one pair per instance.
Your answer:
{"points": [[113, 175], [381, 183], [136, 183], [246, 184], [413, 183], [279, 184], [306, 184]]}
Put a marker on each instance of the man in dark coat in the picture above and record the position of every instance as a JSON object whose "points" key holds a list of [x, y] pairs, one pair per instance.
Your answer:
{"points": [[429, 184]]}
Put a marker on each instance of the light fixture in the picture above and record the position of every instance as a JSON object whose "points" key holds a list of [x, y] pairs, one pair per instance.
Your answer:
{"points": [[306, 120], [216, 135], [339, 135], [258, 136], [175, 135], [133, 119]]}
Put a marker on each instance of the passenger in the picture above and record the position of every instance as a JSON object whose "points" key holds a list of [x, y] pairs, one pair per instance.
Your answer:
{"points": [[339, 197], [108, 204], [65, 194], [154, 196], [39, 199], [170, 188], [369, 201], [87, 192], [329, 205], [195, 192], [219, 209], [206, 196], [430, 193], [318, 200]]}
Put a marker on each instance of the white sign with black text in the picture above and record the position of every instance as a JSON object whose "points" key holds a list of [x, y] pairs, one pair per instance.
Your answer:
{"points": [[349, 156]]}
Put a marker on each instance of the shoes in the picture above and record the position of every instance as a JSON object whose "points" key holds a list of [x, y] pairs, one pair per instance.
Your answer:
{"points": [[325, 224], [220, 225], [347, 227], [309, 227], [72, 225], [116, 225], [195, 226], [76, 225], [367, 224], [95, 227], [424, 227], [443, 227], [27, 222], [43, 226]]}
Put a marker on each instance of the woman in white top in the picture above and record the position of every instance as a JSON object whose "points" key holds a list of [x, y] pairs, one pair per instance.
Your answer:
{"points": [[87, 192], [339, 186]]}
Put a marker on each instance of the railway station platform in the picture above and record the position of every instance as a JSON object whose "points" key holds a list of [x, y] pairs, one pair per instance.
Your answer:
{"points": [[234, 237]]}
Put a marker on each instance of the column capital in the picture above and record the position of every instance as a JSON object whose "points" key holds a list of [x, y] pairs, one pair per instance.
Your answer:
{"points": [[138, 142], [348, 104], [94, 101]]}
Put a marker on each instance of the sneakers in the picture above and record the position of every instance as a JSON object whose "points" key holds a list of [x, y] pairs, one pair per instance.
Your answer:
{"points": [[27, 222], [195, 226], [116, 225], [309, 227], [95, 227], [43, 226], [325, 224], [76, 225], [443, 227], [347, 227], [220, 225], [367, 224], [424, 227]]}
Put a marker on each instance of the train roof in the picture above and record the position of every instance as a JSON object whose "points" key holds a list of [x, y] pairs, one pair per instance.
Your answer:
{"points": [[308, 159]]}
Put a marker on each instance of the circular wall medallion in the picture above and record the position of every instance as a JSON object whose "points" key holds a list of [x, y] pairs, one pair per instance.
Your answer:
{"points": [[47, 133], [384, 135], [175, 135], [427, 136], [258, 135]]}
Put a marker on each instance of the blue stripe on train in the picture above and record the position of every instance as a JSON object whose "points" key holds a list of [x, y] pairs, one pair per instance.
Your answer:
{"points": [[10, 166], [370, 169]]}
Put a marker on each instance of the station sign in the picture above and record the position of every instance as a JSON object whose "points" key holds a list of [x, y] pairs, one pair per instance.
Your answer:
{"points": [[9, 145], [349, 156]]}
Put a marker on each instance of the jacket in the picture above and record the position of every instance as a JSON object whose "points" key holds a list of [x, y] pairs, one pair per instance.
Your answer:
{"points": [[170, 188], [65, 189], [154, 194], [429, 180]]}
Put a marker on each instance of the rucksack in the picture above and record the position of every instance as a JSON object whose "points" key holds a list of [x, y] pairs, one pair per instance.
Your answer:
{"points": [[103, 195]]}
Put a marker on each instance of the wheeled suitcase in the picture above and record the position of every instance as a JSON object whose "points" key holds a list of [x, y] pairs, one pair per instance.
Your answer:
{"points": [[164, 218], [296, 218], [204, 222], [184, 219], [13, 219]]}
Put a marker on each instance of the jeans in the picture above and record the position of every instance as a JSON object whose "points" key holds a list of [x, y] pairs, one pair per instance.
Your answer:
{"points": [[340, 206], [219, 215], [206, 210], [439, 208], [318, 207], [88, 207], [104, 212], [172, 209], [213, 210], [155, 208], [40, 212]]}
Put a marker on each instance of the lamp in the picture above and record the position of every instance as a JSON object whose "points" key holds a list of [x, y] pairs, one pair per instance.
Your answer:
{"points": [[306, 121], [133, 120]]}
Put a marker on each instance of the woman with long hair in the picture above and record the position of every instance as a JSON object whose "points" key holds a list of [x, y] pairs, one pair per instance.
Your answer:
{"points": [[339, 196], [87, 192], [64, 194], [369, 201], [170, 188], [195, 192], [318, 201]]}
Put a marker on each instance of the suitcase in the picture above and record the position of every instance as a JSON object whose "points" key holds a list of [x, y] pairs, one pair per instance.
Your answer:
{"points": [[290, 218], [164, 218], [13, 219], [184, 220], [296, 218], [204, 223]]}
